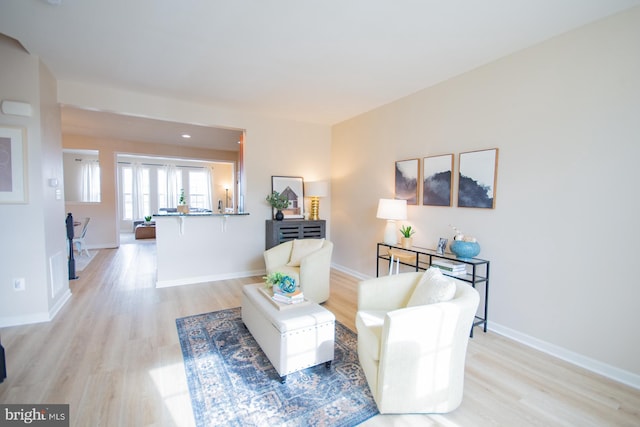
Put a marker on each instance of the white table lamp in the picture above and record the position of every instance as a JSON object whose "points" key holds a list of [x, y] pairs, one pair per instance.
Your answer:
{"points": [[315, 190], [391, 210]]}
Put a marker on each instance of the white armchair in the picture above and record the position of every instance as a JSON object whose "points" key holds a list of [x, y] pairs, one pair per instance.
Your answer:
{"points": [[307, 260], [413, 356]]}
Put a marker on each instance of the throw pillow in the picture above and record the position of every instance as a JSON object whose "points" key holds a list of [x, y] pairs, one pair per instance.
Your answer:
{"points": [[302, 248], [433, 287]]}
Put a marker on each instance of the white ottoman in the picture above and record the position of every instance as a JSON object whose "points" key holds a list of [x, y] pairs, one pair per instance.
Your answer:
{"points": [[293, 338]]}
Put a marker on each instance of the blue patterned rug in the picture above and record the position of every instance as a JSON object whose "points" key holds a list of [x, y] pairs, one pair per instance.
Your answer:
{"points": [[232, 382]]}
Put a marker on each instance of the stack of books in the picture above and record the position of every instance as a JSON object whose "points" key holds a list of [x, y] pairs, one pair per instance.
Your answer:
{"points": [[287, 298], [451, 268]]}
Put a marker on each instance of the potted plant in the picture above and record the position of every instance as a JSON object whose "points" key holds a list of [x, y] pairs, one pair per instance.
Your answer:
{"points": [[407, 232], [147, 219], [182, 203], [278, 202]]}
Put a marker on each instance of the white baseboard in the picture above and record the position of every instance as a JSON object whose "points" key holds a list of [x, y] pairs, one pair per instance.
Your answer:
{"points": [[5, 322], [29, 319], [204, 279], [625, 377], [351, 272], [66, 296]]}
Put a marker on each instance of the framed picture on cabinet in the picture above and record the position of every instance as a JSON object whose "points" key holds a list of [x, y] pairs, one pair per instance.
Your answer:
{"points": [[293, 188], [13, 165], [437, 182], [477, 177], [407, 172]]}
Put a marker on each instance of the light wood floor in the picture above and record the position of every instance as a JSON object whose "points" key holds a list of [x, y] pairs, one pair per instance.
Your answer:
{"points": [[112, 353]]}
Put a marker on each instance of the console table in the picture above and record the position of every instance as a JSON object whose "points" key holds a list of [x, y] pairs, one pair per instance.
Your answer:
{"points": [[288, 229], [420, 259]]}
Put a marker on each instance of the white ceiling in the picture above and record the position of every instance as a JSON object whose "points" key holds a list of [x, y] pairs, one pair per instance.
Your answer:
{"points": [[313, 61]]}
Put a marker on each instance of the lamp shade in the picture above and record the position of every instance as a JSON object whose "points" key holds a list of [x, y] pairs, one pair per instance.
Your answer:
{"points": [[392, 209], [316, 189]]}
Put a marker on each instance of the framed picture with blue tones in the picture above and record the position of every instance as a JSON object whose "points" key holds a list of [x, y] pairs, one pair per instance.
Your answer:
{"points": [[407, 172], [477, 178], [437, 182], [442, 245]]}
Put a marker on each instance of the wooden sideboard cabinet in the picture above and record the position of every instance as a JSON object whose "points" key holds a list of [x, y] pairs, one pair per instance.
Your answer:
{"points": [[289, 229]]}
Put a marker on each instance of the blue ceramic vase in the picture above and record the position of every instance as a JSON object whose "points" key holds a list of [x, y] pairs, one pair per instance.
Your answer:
{"points": [[464, 250]]}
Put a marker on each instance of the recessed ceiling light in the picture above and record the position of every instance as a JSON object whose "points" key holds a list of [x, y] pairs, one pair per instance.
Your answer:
{"points": [[186, 136]]}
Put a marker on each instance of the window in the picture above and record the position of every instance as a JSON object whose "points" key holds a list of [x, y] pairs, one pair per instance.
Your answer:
{"points": [[90, 182], [144, 190], [163, 200], [81, 175], [135, 192], [126, 192], [199, 194], [147, 185]]}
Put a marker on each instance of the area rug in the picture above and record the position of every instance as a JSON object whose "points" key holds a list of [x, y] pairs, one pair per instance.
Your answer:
{"points": [[232, 382]]}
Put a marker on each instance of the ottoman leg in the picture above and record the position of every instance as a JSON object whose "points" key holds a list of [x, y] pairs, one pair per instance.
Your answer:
{"points": [[327, 364], [283, 379]]}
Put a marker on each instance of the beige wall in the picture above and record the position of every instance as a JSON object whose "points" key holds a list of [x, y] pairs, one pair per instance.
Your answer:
{"points": [[564, 115], [33, 233]]}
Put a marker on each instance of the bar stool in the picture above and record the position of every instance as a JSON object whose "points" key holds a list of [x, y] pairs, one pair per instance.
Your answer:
{"points": [[399, 256]]}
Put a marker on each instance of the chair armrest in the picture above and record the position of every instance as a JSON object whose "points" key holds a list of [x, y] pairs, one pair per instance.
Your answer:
{"points": [[387, 292], [277, 256]]}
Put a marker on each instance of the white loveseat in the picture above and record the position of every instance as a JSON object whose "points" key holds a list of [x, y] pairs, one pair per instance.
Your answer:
{"points": [[413, 357]]}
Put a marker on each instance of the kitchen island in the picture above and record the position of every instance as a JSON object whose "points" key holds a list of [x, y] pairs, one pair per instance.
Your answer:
{"points": [[199, 247]]}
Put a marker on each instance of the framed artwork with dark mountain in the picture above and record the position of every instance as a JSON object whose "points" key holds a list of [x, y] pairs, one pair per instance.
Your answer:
{"points": [[407, 172], [478, 173], [437, 184]]}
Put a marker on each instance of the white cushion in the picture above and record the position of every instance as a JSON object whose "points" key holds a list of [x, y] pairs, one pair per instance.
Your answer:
{"points": [[434, 287], [302, 248]]}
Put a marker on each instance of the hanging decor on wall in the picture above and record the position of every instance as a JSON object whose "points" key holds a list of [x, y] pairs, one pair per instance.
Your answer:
{"points": [[407, 172], [478, 172], [437, 184], [13, 165], [292, 187]]}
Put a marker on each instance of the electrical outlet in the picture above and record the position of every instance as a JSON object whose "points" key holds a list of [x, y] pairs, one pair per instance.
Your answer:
{"points": [[19, 284]]}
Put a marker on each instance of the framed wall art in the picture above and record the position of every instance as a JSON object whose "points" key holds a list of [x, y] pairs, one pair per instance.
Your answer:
{"points": [[407, 172], [437, 182], [478, 172], [13, 165], [293, 188]]}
